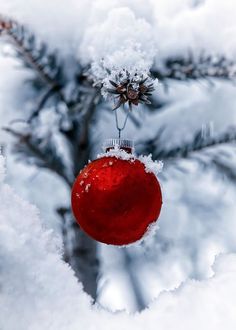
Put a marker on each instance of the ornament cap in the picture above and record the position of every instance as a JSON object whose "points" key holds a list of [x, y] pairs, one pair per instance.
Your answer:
{"points": [[124, 144]]}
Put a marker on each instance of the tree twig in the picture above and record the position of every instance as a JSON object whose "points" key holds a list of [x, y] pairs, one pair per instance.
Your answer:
{"points": [[52, 90]]}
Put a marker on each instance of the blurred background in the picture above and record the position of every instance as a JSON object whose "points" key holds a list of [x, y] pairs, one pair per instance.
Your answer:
{"points": [[54, 119]]}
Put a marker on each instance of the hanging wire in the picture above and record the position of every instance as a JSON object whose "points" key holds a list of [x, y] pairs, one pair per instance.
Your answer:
{"points": [[121, 128]]}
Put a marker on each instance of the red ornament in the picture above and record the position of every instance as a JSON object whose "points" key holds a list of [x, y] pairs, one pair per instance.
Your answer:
{"points": [[115, 200]]}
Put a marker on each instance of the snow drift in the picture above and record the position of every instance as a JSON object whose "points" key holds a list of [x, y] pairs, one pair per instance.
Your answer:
{"points": [[39, 291]]}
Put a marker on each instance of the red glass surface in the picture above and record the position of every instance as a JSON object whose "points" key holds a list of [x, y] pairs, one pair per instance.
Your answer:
{"points": [[115, 200]]}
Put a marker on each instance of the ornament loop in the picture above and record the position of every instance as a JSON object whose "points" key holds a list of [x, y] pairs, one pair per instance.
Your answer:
{"points": [[119, 128]]}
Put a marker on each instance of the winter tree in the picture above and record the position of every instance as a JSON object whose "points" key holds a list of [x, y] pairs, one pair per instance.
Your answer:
{"points": [[179, 101]]}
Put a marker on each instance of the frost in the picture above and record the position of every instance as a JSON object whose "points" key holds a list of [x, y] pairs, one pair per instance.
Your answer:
{"points": [[151, 166], [118, 44], [121, 40], [120, 77], [117, 153]]}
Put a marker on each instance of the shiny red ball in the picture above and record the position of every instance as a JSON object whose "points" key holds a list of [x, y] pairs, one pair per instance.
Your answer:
{"points": [[115, 200]]}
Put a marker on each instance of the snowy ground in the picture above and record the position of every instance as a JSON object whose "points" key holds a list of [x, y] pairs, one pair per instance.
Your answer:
{"points": [[193, 251], [41, 292]]}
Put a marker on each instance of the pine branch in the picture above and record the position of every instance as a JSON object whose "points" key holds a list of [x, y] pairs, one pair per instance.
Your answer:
{"points": [[39, 151], [78, 135], [199, 144], [197, 67], [33, 54], [214, 152], [43, 152], [80, 99], [228, 170], [43, 100]]}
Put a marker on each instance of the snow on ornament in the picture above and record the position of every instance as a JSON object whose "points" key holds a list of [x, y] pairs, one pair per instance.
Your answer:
{"points": [[117, 198]]}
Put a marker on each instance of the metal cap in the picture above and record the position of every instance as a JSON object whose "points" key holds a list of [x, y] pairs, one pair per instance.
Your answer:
{"points": [[127, 145]]}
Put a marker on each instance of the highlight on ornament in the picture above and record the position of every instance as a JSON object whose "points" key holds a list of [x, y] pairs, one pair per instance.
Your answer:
{"points": [[117, 198]]}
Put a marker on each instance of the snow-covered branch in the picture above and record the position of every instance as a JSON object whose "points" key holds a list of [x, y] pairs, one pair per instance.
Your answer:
{"points": [[204, 148], [33, 53], [39, 151], [194, 67]]}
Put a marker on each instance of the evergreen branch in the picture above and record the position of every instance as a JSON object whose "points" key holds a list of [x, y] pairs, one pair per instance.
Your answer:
{"points": [[193, 67], [188, 150], [91, 107], [228, 171], [33, 54], [41, 151], [80, 99], [52, 90], [78, 134]]}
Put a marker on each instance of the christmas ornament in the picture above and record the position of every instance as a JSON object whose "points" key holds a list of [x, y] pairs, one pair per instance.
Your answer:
{"points": [[117, 197]]}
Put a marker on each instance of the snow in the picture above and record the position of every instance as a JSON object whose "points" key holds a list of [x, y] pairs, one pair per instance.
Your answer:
{"points": [[130, 32], [114, 39], [39, 291], [33, 277], [152, 166], [53, 25], [208, 27], [198, 218], [133, 35], [117, 153], [114, 44]]}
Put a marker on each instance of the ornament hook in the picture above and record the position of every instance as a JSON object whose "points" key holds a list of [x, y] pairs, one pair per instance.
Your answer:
{"points": [[118, 127]]}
